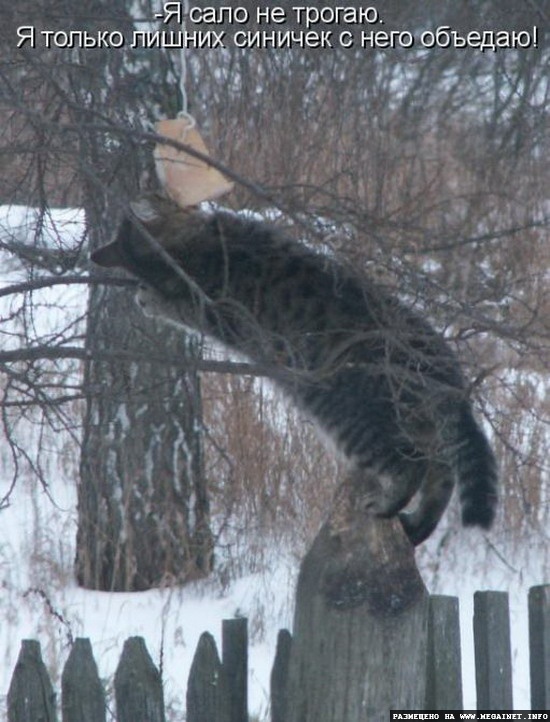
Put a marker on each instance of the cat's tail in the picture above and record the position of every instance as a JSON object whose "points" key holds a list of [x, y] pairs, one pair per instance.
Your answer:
{"points": [[477, 472]]}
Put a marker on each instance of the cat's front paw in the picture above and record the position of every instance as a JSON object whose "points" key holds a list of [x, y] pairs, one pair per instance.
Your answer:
{"points": [[154, 305], [143, 300], [151, 303]]}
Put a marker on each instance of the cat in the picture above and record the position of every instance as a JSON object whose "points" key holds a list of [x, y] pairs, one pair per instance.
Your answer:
{"points": [[376, 378]]}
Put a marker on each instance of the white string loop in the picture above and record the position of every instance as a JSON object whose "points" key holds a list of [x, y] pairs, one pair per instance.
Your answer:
{"points": [[184, 113]]}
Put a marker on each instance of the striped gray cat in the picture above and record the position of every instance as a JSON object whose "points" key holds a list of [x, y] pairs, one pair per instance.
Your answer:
{"points": [[374, 376]]}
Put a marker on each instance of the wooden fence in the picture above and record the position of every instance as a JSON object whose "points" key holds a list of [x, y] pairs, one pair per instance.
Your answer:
{"points": [[217, 688]]}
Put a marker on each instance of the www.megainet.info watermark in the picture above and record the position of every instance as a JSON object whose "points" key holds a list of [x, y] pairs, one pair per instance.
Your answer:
{"points": [[451, 714]]}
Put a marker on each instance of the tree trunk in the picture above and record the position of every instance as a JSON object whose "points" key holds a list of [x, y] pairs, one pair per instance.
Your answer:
{"points": [[143, 516], [360, 627], [142, 501]]}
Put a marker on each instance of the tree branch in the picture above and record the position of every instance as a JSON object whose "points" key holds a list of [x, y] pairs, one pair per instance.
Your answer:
{"points": [[36, 284], [55, 353]]}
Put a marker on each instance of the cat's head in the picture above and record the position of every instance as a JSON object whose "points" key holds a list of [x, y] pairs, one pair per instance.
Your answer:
{"points": [[146, 218], [151, 230]]}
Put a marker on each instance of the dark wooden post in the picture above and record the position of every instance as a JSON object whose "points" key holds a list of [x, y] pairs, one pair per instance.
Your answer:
{"points": [[492, 651], [539, 646], [82, 695], [279, 676], [207, 691], [360, 627], [138, 685], [235, 665], [31, 696], [444, 679]]}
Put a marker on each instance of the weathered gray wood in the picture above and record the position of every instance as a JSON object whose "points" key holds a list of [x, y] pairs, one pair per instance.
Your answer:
{"points": [[279, 676], [360, 627], [235, 665], [207, 691], [82, 694], [492, 651], [444, 678], [31, 697], [138, 685], [539, 646]]}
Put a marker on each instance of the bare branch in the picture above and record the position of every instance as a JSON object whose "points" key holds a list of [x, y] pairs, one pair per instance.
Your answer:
{"points": [[55, 353], [47, 282]]}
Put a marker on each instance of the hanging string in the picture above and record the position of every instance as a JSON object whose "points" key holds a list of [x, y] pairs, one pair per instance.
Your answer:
{"points": [[184, 113], [188, 179]]}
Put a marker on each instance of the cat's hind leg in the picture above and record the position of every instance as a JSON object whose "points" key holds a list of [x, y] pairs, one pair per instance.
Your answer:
{"points": [[383, 493], [429, 503], [369, 492]]}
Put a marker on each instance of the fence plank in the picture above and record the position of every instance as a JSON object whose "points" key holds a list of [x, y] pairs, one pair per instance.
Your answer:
{"points": [[279, 676], [31, 696], [444, 679], [82, 695], [235, 665], [539, 646], [207, 691], [492, 651], [138, 685]]}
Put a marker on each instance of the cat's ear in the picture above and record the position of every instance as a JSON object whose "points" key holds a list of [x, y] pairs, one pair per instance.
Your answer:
{"points": [[109, 256], [144, 209]]}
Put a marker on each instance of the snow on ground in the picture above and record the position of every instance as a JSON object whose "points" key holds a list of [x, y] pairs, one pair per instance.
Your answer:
{"points": [[468, 565], [39, 599], [37, 538]]}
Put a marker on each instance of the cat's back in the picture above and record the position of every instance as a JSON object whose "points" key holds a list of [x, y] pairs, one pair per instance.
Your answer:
{"points": [[274, 264], [303, 296]]}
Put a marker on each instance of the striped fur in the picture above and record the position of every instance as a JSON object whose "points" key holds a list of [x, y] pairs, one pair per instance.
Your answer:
{"points": [[377, 379]]}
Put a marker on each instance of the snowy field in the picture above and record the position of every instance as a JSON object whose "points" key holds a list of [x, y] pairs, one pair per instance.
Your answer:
{"points": [[39, 598], [37, 544], [36, 552]]}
